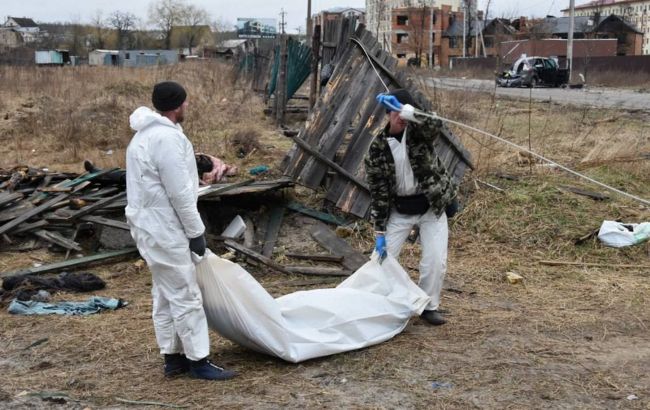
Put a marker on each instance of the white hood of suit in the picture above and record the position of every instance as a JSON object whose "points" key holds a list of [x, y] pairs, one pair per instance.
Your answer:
{"points": [[161, 183], [142, 117]]}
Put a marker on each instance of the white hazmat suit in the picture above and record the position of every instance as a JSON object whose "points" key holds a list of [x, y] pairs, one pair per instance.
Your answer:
{"points": [[162, 185], [434, 232]]}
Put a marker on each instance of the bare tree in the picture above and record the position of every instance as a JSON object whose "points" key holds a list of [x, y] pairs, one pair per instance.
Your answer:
{"points": [[165, 14], [419, 33], [99, 30], [222, 30], [194, 19], [123, 23]]}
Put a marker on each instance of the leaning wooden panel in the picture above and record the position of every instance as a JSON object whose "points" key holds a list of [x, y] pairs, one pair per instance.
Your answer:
{"points": [[346, 195], [347, 119], [322, 117], [363, 79]]}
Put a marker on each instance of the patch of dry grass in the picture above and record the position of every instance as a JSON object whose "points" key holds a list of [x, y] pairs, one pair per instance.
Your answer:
{"points": [[571, 337]]}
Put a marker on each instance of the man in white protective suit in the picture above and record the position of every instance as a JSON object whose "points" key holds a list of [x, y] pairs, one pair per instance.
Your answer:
{"points": [[162, 184], [409, 186]]}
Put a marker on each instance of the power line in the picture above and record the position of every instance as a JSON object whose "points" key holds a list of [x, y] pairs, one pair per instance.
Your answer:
{"points": [[505, 141]]}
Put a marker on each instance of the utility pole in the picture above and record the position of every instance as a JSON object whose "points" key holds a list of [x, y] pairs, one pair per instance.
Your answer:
{"points": [[431, 36], [283, 24], [478, 29], [464, 25], [569, 47], [309, 23]]}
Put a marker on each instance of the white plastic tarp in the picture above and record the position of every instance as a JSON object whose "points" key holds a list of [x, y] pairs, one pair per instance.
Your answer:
{"points": [[618, 235], [371, 306]]}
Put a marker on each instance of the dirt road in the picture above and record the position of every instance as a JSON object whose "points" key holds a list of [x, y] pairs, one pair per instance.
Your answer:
{"points": [[597, 97]]}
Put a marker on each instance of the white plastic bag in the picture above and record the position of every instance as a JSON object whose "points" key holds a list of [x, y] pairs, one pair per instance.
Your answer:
{"points": [[617, 235], [369, 307]]}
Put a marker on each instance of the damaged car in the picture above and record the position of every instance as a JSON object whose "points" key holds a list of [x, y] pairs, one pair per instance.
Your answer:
{"points": [[534, 72]]}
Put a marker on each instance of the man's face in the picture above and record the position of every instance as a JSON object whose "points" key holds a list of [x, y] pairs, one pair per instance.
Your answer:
{"points": [[397, 124], [180, 112]]}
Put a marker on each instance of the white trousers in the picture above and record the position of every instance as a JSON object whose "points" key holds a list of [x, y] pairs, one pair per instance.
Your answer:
{"points": [[434, 235], [178, 316]]}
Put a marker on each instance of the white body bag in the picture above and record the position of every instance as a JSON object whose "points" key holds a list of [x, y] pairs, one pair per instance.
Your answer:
{"points": [[369, 307]]}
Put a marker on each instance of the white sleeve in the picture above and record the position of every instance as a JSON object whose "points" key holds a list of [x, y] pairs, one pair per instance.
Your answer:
{"points": [[171, 161]]}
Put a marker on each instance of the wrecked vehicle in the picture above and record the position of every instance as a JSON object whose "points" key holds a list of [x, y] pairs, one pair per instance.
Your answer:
{"points": [[533, 72]]}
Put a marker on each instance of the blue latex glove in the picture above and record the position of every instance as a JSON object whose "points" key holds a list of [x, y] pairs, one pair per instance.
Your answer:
{"points": [[380, 247], [389, 101]]}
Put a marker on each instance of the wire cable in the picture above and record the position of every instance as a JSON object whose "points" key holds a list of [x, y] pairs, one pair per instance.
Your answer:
{"points": [[372, 64], [505, 141]]}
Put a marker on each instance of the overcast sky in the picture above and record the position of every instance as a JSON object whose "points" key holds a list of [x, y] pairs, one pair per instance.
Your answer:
{"points": [[84, 10]]}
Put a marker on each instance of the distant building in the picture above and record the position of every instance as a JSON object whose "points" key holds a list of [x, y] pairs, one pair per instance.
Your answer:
{"points": [[629, 38], [379, 14], [634, 12], [26, 27], [52, 57], [349, 12], [430, 36], [228, 49], [335, 13], [132, 58]]}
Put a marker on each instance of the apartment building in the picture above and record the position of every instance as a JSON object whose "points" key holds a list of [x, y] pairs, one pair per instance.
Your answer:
{"points": [[379, 14], [635, 12]]}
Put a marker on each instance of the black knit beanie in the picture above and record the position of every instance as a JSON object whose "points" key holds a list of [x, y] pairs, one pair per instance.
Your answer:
{"points": [[167, 96], [404, 97]]}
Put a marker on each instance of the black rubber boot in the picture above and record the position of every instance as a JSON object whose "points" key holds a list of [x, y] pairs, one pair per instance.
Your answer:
{"points": [[176, 364], [433, 317]]}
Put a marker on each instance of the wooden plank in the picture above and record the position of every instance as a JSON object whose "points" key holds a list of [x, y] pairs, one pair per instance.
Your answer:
{"points": [[73, 263], [318, 270], [352, 259], [26, 227], [58, 239], [313, 85], [56, 189], [336, 167], [597, 196], [316, 258], [216, 190], [321, 216], [33, 212], [254, 188], [96, 206], [281, 88], [258, 257], [106, 222], [79, 180], [15, 210], [96, 196], [8, 197], [272, 230]]}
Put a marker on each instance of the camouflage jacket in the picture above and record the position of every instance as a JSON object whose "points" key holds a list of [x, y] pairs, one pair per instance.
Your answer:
{"points": [[431, 175]]}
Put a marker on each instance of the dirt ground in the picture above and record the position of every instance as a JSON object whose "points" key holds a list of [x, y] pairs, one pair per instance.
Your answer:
{"points": [[566, 337]]}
